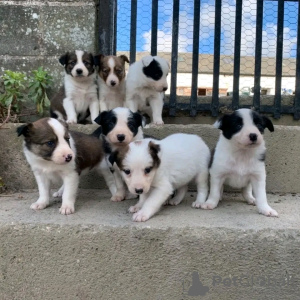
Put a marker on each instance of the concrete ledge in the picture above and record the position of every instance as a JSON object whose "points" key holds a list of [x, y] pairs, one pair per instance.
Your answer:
{"points": [[282, 163], [99, 253]]}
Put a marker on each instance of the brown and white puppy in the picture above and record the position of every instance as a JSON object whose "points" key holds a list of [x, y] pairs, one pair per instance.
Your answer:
{"points": [[78, 98], [55, 152], [119, 127], [111, 81]]}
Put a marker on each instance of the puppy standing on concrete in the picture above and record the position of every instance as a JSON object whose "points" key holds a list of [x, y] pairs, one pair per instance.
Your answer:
{"points": [[239, 160], [54, 153], [154, 169], [79, 97], [145, 86], [119, 127], [111, 81]]}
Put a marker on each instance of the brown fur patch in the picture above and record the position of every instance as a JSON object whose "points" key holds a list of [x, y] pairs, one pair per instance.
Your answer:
{"points": [[119, 155], [119, 68], [57, 103], [89, 150], [153, 150]]}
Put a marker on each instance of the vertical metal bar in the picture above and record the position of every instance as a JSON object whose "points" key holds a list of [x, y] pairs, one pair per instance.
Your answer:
{"points": [[297, 88], [107, 24], [194, 94], [216, 70], [174, 59], [258, 52], [279, 50], [237, 55], [133, 19], [154, 27]]}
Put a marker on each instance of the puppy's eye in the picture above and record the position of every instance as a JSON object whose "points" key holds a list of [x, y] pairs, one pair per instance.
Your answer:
{"points": [[148, 170], [86, 63], [126, 171], [50, 143], [239, 126], [72, 63], [104, 70], [67, 139]]}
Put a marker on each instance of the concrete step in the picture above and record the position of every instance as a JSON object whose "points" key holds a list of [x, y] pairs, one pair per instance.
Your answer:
{"points": [[231, 252], [282, 161]]}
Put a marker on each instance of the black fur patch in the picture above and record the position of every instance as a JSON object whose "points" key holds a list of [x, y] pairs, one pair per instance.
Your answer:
{"points": [[107, 120], [212, 158], [231, 124], [153, 150], [262, 122], [135, 120], [153, 70]]}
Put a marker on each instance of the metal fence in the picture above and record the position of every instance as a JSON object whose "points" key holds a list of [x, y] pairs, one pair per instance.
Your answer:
{"points": [[253, 39]]}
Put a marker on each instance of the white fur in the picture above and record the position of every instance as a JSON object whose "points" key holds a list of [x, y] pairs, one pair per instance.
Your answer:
{"points": [[184, 158], [81, 92], [110, 96], [236, 163], [142, 90]]}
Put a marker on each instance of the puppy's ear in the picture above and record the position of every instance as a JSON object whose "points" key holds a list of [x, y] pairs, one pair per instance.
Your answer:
{"points": [[97, 59], [138, 118], [63, 59], [100, 118], [268, 123], [153, 150], [146, 60], [124, 58], [24, 129]]}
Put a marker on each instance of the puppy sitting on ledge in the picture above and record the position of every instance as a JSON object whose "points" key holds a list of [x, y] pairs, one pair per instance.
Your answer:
{"points": [[54, 152]]}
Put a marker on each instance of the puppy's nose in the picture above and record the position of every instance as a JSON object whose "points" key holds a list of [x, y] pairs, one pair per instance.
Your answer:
{"points": [[139, 191], [68, 158], [253, 137], [112, 83], [79, 71], [121, 137], [165, 88]]}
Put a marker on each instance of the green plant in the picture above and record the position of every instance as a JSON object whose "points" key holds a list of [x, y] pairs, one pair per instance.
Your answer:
{"points": [[10, 99], [38, 85]]}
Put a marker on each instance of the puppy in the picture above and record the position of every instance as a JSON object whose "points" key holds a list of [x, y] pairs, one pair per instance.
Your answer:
{"points": [[239, 160], [118, 128], [154, 169], [111, 81], [78, 98], [54, 152], [145, 86]]}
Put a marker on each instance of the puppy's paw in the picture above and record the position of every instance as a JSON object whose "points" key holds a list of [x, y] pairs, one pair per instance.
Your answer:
{"points": [[251, 201], [133, 209], [140, 216], [158, 122], [173, 201], [268, 211], [72, 121], [39, 205], [58, 194], [117, 198], [67, 209], [197, 204], [208, 205]]}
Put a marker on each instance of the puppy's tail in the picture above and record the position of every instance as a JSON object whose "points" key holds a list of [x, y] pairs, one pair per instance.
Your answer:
{"points": [[97, 132]]}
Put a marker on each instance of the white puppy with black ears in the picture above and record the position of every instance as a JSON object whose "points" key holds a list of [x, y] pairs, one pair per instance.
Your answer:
{"points": [[145, 86], [239, 160], [153, 169]]}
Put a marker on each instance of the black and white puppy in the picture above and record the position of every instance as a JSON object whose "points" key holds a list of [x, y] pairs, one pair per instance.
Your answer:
{"points": [[239, 160], [78, 98], [145, 86], [119, 127], [54, 152]]}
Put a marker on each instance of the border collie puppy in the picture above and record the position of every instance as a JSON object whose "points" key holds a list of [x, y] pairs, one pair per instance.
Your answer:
{"points": [[78, 98], [111, 81], [54, 152], [145, 86], [119, 127], [153, 169], [239, 160]]}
